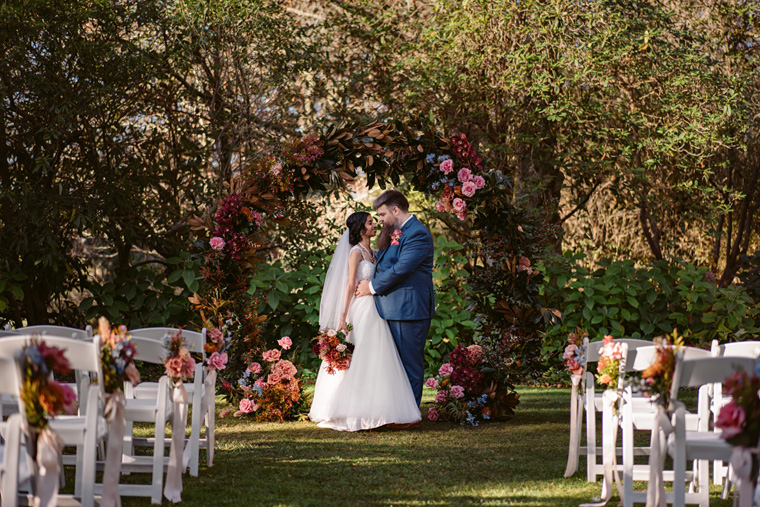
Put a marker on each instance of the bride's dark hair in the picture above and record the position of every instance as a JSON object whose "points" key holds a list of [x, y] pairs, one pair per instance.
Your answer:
{"points": [[356, 226]]}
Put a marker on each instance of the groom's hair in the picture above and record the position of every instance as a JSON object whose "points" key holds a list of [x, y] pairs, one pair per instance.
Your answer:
{"points": [[392, 198]]}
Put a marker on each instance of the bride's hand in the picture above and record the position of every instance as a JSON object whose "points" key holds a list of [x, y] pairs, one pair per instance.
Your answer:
{"points": [[342, 326]]}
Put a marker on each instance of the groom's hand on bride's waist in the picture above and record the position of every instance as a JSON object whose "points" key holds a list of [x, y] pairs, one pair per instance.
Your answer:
{"points": [[363, 289]]}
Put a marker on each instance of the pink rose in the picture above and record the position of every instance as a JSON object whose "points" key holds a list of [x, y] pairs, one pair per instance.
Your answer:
{"points": [[217, 361], [464, 175], [173, 367], [441, 396], [445, 370], [459, 205], [457, 391], [462, 215], [216, 335], [188, 364], [285, 369], [217, 243], [432, 414], [574, 366], [255, 368], [69, 399], [479, 181], [731, 419], [277, 169], [274, 378], [285, 342], [447, 166], [271, 356], [440, 207], [469, 188], [569, 351], [523, 264], [431, 383], [475, 352], [247, 406]]}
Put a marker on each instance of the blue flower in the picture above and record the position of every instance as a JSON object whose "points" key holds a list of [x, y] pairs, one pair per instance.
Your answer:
{"points": [[120, 364], [435, 185], [442, 158], [241, 381], [246, 373], [258, 389], [430, 158]]}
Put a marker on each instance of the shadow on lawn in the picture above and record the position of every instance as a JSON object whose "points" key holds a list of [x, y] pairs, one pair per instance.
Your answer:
{"points": [[519, 463]]}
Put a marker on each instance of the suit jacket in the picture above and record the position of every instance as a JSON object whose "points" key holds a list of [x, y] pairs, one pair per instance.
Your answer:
{"points": [[403, 280]]}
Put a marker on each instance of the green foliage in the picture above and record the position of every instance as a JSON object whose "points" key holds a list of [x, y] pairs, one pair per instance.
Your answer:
{"points": [[453, 322], [623, 299], [142, 297]]}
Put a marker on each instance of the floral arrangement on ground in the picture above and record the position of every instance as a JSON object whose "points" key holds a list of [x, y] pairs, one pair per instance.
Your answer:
{"points": [[472, 388]]}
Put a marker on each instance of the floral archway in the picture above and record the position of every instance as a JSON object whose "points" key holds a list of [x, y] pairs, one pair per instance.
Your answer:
{"points": [[506, 244]]}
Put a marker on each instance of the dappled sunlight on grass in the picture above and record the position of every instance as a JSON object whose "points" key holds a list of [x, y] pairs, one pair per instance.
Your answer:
{"points": [[515, 463]]}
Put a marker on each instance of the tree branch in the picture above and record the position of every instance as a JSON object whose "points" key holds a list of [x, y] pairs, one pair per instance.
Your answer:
{"points": [[581, 204]]}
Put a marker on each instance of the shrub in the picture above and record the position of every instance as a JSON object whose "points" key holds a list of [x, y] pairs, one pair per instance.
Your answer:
{"points": [[623, 299]]}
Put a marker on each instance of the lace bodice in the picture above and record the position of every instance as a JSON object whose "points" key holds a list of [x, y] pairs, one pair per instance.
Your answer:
{"points": [[366, 266]]}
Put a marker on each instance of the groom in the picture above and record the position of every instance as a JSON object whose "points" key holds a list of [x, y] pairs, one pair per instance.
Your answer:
{"points": [[403, 284]]}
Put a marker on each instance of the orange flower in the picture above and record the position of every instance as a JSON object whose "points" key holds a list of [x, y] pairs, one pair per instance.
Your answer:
{"points": [[51, 398]]}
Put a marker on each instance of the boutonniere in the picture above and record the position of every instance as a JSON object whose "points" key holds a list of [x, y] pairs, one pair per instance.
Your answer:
{"points": [[395, 237]]}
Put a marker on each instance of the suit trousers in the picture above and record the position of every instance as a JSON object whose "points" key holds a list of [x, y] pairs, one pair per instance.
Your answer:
{"points": [[410, 337]]}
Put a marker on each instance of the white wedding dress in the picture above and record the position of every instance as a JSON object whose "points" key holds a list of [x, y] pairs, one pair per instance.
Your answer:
{"points": [[375, 390]]}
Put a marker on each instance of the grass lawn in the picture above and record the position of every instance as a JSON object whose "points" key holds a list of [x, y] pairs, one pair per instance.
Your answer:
{"points": [[520, 462]]}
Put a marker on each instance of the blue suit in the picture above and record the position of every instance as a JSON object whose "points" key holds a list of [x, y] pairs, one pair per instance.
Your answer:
{"points": [[403, 286]]}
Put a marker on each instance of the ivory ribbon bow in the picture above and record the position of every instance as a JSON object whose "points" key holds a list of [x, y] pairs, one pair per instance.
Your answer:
{"points": [[660, 430], [741, 460], [173, 489], [611, 422], [49, 449], [114, 414], [576, 406]]}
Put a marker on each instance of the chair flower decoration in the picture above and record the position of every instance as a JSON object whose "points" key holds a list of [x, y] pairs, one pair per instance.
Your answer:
{"points": [[179, 365], [44, 398], [118, 365]]}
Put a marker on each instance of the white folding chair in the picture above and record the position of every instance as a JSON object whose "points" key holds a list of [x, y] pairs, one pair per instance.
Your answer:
{"points": [[196, 391], [733, 349], [156, 410], [704, 445], [85, 429], [64, 331], [9, 460], [10, 449], [593, 403], [638, 414]]}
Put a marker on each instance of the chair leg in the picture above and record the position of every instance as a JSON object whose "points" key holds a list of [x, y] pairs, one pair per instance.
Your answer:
{"points": [[78, 471], [590, 439], [88, 472], [195, 436], [210, 426], [158, 462]]}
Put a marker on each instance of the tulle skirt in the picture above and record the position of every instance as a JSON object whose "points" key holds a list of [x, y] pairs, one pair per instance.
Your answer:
{"points": [[375, 390]]}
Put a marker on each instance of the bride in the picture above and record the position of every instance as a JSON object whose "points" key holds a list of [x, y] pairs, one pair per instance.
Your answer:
{"points": [[375, 390]]}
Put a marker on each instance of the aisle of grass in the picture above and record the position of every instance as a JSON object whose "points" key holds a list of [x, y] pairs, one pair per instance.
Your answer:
{"points": [[516, 463]]}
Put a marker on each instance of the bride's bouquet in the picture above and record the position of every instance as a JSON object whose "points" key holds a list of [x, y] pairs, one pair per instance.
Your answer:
{"points": [[333, 348]]}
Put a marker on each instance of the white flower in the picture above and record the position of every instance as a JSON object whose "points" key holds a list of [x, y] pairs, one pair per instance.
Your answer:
{"points": [[331, 332], [340, 348]]}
